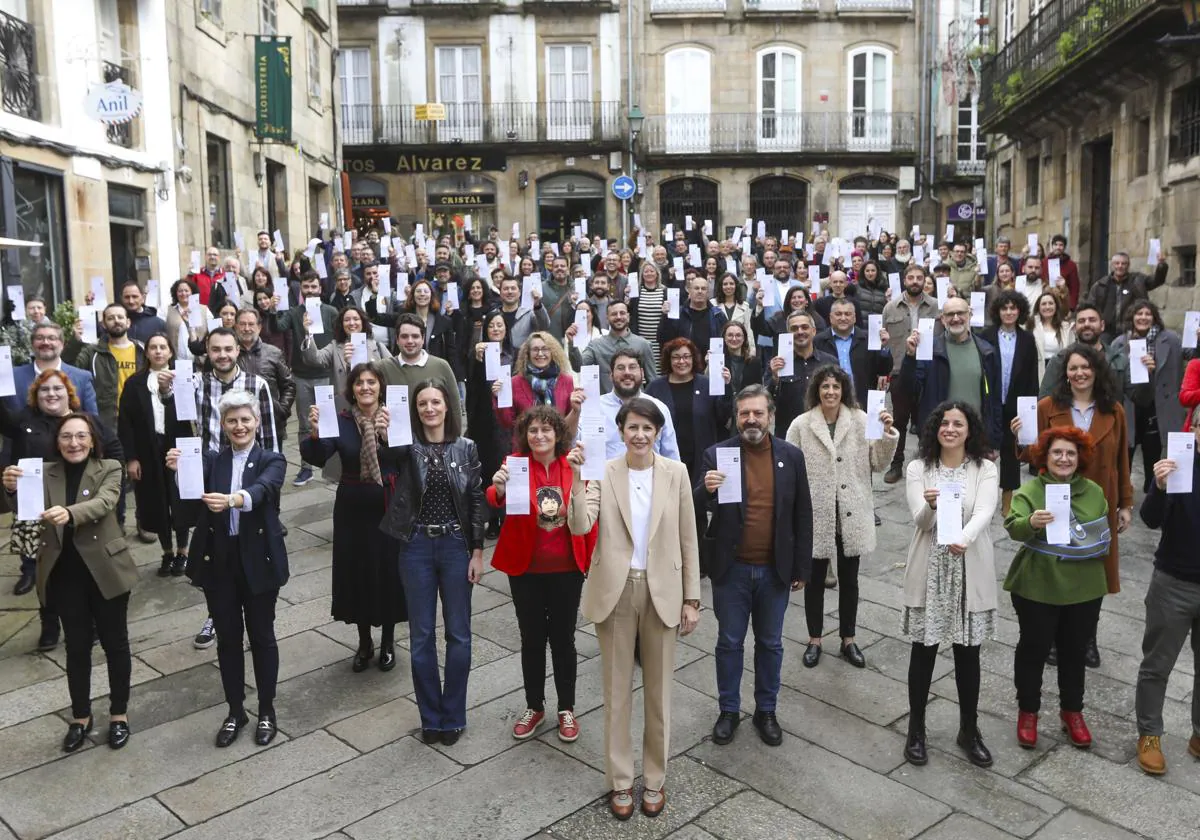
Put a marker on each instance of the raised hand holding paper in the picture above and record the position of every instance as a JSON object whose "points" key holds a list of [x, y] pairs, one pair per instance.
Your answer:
{"points": [[1181, 448], [875, 404], [16, 294], [399, 420], [8, 385], [673, 304], [316, 325], [1191, 329], [894, 284], [874, 325], [949, 513], [358, 350], [925, 348], [595, 445], [729, 462], [327, 422], [1058, 504], [189, 471], [787, 352], [31, 498], [716, 375], [1027, 413], [491, 361], [504, 399], [1139, 374], [581, 337], [516, 492], [184, 390]]}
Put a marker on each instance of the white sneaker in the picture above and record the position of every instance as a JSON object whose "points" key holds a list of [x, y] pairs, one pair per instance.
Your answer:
{"points": [[206, 637]]}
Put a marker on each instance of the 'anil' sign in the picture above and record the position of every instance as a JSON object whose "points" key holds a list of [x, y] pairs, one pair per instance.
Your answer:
{"points": [[113, 103]]}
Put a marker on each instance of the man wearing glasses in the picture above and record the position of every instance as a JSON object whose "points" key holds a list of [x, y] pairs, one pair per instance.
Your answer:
{"points": [[964, 368]]}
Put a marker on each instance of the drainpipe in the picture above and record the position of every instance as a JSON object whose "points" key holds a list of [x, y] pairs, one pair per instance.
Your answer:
{"points": [[627, 206], [926, 82]]}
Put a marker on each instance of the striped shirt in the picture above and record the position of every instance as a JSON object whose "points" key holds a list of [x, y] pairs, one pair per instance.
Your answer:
{"points": [[649, 308], [208, 396]]}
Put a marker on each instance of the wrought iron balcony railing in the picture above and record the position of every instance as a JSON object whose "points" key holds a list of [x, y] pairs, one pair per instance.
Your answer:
{"points": [[18, 68], [476, 122], [686, 7], [717, 134], [954, 161], [886, 7], [781, 7], [119, 134]]}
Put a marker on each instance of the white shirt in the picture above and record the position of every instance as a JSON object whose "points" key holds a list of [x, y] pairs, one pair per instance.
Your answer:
{"points": [[641, 493], [156, 404], [614, 445], [235, 484], [420, 362]]}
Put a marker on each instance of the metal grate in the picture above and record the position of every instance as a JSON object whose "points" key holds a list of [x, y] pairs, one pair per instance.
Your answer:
{"points": [[18, 76], [120, 134], [1185, 121], [781, 202], [682, 197]]}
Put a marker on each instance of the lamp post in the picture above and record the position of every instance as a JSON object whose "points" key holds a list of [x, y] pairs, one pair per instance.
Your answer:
{"points": [[635, 118]]}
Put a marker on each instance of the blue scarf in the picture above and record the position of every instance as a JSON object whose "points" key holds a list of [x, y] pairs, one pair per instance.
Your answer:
{"points": [[542, 381]]}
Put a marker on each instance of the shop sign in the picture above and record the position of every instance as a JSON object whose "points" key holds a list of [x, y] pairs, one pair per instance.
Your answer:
{"points": [[384, 160], [113, 103], [367, 201], [965, 211], [462, 200], [273, 89]]}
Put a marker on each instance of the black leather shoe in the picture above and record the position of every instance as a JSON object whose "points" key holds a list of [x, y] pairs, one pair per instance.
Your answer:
{"points": [[725, 726], [387, 659], [24, 583], [362, 659], [76, 735], [431, 736], [1052, 656], [179, 565], [118, 734], [1091, 654], [49, 638], [972, 744], [914, 748], [450, 736], [264, 733], [164, 568], [229, 730], [852, 654], [812, 655], [768, 728]]}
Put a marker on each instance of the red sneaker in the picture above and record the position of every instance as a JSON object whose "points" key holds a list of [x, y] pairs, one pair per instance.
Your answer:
{"points": [[527, 724], [568, 727], [1076, 729], [1027, 723]]}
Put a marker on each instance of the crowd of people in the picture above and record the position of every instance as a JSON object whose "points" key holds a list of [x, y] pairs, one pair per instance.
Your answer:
{"points": [[622, 419]]}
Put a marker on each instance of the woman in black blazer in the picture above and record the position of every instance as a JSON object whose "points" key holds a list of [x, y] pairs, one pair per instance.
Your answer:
{"points": [[698, 417], [1009, 311], [148, 428], [238, 558]]}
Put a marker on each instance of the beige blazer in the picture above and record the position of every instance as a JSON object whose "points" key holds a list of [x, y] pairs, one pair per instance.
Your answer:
{"points": [[673, 552], [981, 494]]}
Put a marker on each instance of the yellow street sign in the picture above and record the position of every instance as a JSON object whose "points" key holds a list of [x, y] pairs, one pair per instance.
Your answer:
{"points": [[430, 111]]}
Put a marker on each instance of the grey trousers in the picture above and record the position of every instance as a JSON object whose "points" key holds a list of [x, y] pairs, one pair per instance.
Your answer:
{"points": [[1172, 611], [305, 397]]}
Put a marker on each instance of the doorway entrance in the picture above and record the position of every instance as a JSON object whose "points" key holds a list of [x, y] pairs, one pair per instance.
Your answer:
{"points": [[565, 200], [126, 230], [1100, 172]]}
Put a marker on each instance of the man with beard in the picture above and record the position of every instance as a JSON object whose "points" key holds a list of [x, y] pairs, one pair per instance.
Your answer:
{"points": [[556, 299], [603, 350], [111, 361], [1067, 269], [789, 392], [1089, 330], [266, 362], [900, 317], [756, 552], [627, 381], [1118, 290], [698, 321], [600, 290], [143, 320], [47, 342]]}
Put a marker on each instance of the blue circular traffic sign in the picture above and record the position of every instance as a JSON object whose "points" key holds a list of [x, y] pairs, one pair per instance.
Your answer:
{"points": [[623, 187]]}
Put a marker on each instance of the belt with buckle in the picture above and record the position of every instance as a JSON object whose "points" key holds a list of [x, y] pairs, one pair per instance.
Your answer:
{"points": [[439, 530]]}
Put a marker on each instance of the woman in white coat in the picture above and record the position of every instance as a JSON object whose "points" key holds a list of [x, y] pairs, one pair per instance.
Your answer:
{"points": [[839, 459], [950, 578]]}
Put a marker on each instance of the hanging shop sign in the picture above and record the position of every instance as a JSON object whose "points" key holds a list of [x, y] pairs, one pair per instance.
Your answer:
{"points": [[273, 89], [114, 103]]}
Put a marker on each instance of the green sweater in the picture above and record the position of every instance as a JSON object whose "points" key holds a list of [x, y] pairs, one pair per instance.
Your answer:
{"points": [[1045, 578]]}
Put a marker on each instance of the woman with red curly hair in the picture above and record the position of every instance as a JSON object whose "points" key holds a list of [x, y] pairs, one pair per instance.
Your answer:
{"points": [[1057, 586]]}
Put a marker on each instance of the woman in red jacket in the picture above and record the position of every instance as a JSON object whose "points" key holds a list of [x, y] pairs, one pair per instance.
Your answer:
{"points": [[1189, 393], [545, 565], [541, 375]]}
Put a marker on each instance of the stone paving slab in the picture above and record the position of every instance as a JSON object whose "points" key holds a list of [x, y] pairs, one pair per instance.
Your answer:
{"points": [[20, 671], [961, 827], [381, 725], [836, 730], [751, 816], [1072, 825], [314, 700], [50, 695], [144, 820], [32, 743]]}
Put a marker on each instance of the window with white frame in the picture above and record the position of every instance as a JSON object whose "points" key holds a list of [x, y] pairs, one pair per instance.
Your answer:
{"points": [[1035, 13], [313, 48], [268, 17], [459, 72], [870, 97], [779, 98], [569, 91], [1009, 20], [211, 9], [972, 148], [688, 74], [354, 81]]}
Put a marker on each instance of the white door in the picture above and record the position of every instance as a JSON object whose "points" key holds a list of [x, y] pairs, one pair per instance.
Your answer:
{"points": [[354, 78], [870, 100], [689, 101], [779, 100], [859, 213], [569, 92], [459, 75]]}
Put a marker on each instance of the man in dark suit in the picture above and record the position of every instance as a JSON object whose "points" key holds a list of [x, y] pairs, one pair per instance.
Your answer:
{"points": [[755, 551], [238, 558], [47, 340], [849, 344]]}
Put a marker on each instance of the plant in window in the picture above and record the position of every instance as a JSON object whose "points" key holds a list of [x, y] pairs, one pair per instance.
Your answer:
{"points": [[1066, 45]]}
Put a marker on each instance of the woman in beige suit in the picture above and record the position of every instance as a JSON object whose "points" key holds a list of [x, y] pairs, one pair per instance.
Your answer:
{"points": [[644, 583]]}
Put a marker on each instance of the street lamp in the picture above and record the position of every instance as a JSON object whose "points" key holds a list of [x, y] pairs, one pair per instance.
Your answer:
{"points": [[636, 118]]}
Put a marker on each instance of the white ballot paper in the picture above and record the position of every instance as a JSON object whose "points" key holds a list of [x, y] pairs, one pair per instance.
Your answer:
{"points": [[31, 499], [1138, 372], [1027, 414], [943, 291], [316, 325], [716, 346], [1191, 326], [788, 354], [729, 462], [215, 324], [319, 265], [99, 294], [399, 419], [239, 241], [1031, 242], [491, 361], [1181, 448], [184, 390], [874, 325], [894, 285], [281, 292], [673, 304], [769, 289], [978, 305], [1054, 269], [590, 376], [677, 265], [8, 385], [528, 284], [195, 315], [716, 375], [189, 472], [17, 295], [1021, 284], [875, 405], [358, 349], [925, 348], [87, 317], [580, 289], [194, 264], [277, 236], [1058, 503], [1155, 250], [516, 492], [452, 301], [504, 398], [949, 513], [327, 422], [581, 330], [595, 446]]}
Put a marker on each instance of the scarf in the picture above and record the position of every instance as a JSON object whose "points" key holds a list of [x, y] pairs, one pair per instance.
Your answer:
{"points": [[369, 455], [542, 381]]}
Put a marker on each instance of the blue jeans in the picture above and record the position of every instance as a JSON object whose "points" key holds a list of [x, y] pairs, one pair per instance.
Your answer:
{"points": [[743, 593], [429, 567]]}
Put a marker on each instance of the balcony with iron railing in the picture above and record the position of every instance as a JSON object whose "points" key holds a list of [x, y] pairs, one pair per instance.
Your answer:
{"points": [[792, 133], [119, 134], [954, 162], [781, 7], [687, 8], [1083, 40], [874, 7], [19, 89], [521, 123]]}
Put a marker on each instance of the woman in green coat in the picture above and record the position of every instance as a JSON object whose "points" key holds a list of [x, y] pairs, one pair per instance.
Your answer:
{"points": [[1057, 581]]}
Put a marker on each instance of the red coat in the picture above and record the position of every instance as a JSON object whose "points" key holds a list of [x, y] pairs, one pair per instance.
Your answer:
{"points": [[205, 281], [1070, 273], [523, 398], [514, 551], [1189, 391]]}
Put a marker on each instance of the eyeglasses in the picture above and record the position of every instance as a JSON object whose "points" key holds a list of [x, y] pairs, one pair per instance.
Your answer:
{"points": [[539, 351], [78, 437], [955, 316]]}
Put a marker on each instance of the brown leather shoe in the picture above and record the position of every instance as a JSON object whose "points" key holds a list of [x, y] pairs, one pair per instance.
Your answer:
{"points": [[1194, 745], [653, 801], [1150, 755], [620, 802]]}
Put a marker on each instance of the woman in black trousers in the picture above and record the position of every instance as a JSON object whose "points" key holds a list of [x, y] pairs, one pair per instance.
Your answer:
{"points": [[1018, 372]]}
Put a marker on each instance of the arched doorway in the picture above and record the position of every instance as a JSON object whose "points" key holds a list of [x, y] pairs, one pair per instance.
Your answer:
{"points": [[564, 200], [682, 197], [368, 199], [866, 205], [451, 198], [782, 202]]}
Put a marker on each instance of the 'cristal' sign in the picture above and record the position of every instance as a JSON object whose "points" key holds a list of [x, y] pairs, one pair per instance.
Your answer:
{"points": [[113, 103]]}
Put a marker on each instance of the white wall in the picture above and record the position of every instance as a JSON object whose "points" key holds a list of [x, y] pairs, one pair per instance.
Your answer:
{"points": [[512, 67], [158, 134], [610, 57], [402, 76]]}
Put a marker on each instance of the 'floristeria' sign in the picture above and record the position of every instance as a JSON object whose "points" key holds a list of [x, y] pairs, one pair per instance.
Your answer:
{"points": [[113, 103]]}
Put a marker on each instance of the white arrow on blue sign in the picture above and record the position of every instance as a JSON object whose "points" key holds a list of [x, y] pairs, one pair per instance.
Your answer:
{"points": [[623, 187]]}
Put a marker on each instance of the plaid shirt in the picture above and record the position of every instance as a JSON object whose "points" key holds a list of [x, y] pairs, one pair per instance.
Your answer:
{"points": [[209, 394]]}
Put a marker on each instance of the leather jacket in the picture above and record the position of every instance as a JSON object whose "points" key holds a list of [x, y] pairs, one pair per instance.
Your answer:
{"points": [[411, 463], [266, 362]]}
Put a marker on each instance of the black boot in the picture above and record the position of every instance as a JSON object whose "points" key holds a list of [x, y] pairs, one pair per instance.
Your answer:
{"points": [[914, 747], [48, 640], [168, 559], [971, 743], [1091, 654]]}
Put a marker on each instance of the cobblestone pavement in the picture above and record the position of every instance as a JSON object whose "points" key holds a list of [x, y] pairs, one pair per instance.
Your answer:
{"points": [[347, 765]]}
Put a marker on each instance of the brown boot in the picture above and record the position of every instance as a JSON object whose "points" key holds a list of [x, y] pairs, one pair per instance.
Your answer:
{"points": [[1194, 745], [1005, 502], [1150, 755]]}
